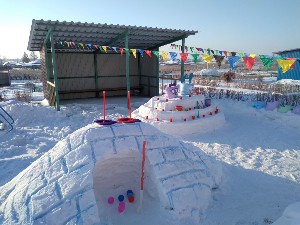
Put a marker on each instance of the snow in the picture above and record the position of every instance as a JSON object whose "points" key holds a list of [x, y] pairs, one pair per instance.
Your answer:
{"points": [[56, 168]]}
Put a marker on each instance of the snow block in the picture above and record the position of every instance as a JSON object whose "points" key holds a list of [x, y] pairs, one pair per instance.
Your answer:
{"points": [[272, 105], [296, 110], [259, 105]]}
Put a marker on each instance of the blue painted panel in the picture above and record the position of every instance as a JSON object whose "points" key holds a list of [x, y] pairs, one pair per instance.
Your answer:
{"points": [[292, 73]]}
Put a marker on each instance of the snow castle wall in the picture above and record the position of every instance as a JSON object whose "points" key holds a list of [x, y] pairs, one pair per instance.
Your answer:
{"points": [[66, 185]]}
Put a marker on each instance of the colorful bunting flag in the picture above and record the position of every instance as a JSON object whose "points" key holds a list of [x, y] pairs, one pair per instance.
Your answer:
{"points": [[285, 64], [293, 66], [148, 52], [183, 56], [252, 55], [134, 52], [141, 52], [212, 51], [115, 49], [217, 52], [208, 51], [249, 62], [219, 59], [173, 55], [267, 61], [241, 54], [221, 52], [192, 49], [165, 55], [195, 56], [104, 48], [156, 53], [121, 51], [207, 58], [225, 53], [233, 60], [127, 51]]}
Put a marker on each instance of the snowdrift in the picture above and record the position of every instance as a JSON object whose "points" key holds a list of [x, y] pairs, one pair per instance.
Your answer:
{"points": [[70, 184]]}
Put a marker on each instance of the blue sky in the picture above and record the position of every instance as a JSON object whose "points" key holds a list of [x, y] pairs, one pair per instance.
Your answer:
{"points": [[252, 26]]}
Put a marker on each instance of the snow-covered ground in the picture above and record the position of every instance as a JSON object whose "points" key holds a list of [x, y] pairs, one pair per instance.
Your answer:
{"points": [[259, 151]]}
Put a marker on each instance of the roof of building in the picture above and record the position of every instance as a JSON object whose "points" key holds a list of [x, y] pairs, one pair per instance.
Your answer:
{"points": [[103, 34], [286, 51]]}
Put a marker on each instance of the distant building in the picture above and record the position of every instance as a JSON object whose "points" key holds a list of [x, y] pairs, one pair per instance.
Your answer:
{"points": [[292, 73]]}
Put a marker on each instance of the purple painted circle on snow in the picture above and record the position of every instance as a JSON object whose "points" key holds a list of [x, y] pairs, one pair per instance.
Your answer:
{"points": [[111, 200]]}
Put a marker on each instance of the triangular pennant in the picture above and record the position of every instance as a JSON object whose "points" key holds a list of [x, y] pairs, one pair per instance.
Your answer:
{"points": [[219, 59], [208, 51], [74, 44], [156, 53], [267, 61], [230, 53], [165, 55], [121, 51], [252, 55], [89, 46], [201, 49], [96, 47], [198, 49], [104, 48], [141, 52], [221, 52], [115, 49], [81, 45], [207, 58], [68, 45], [285, 64], [186, 48], [148, 52], [217, 52], [249, 62], [192, 49], [246, 55], [241, 54], [173, 55], [293, 66], [233, 53], [127, 51], [195, 56], [183, 56], [212, 51], [233, 60], [134, 52]]}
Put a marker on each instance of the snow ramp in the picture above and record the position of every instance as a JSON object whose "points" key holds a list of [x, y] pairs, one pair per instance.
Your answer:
{"points": [[71, 183]]}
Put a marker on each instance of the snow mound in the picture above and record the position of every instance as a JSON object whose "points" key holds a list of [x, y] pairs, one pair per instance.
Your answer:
{"points": [[291, 215], [70, 184], [209, 72]]}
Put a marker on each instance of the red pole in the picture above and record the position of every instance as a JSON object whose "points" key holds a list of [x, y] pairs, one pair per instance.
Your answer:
{"points": [[143, 176], [129, 106], [104, 104], [143, 165]]}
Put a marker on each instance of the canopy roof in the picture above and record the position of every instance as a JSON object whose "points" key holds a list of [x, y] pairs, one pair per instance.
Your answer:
{"points": [[103, 34], [286, 51]]}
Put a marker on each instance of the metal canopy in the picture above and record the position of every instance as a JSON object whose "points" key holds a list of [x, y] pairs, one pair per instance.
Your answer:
{"points": [[103, 34]]}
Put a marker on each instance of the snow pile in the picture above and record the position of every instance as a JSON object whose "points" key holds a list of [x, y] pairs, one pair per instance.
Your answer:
{"points": [[182, 115], [209, 72], [70, 184], [291, 215]]}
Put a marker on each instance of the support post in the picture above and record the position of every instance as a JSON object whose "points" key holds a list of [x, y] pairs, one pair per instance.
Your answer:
{"points": [[54, 71], [96, 75], [47, 62], [182, 63], [157, 75], [127, 63]]}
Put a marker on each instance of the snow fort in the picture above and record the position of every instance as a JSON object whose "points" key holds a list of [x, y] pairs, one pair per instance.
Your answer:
{"points": [[71, 184]]}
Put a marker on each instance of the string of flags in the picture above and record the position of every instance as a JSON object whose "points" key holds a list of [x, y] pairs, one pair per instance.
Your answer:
{"points": [[206, 54]]}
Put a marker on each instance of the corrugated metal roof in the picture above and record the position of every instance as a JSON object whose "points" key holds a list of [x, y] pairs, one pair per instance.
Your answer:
{"points": [[285, 51], [103, 34]]}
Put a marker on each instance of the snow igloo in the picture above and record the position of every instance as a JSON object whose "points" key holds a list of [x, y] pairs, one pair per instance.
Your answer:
{"points": [[71, 183]]}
